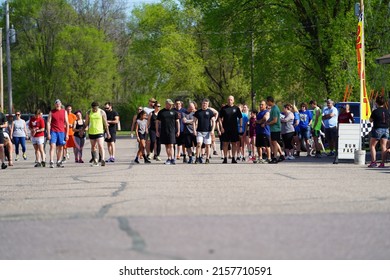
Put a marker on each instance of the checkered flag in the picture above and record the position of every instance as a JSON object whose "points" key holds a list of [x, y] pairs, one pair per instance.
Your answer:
{"points": [[365, 127]]}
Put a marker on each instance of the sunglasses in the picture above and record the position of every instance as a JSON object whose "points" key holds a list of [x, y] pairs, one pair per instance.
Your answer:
{"points": [[106, 108], [17, 114]]}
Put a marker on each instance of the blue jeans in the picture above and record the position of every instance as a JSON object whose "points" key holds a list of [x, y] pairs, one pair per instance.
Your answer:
{"points": [[21, 141]]}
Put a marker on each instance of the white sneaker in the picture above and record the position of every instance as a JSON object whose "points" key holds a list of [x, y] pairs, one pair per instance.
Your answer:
{"points": [[290, 157]]}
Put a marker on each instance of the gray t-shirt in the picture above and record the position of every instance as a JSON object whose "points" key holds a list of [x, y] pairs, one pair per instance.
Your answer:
{"points": [[287, 123], [142, 126], [19, 130]]}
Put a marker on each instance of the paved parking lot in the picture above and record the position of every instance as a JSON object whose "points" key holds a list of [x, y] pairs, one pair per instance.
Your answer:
{"points": [[302, 209]]}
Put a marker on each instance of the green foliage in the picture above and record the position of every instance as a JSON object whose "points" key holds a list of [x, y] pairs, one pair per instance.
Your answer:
{"points": [[295, 50]]}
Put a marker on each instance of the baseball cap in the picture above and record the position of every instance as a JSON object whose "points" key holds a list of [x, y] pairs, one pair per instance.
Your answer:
{"points": [[169, 101], [57, 101], [152, 100]]}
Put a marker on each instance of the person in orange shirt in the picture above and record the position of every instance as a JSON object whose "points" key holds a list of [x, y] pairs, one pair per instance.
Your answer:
{"points": [[70, 143]]}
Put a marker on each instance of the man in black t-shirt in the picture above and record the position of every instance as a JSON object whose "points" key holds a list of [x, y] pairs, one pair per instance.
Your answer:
{"points": [[3, 124], [228, 120], [170, 129], [112, 120], [204, 125]]}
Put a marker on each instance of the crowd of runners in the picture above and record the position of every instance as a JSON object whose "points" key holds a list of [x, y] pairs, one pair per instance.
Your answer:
{"points": [[266, 135]]}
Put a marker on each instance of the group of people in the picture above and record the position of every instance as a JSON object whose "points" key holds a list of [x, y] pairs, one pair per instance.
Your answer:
{"points": [[63, 130], [273, 134]]}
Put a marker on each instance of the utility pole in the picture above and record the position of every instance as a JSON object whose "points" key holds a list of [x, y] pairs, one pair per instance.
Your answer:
{"points": [[253, 94], [8, 54], [1, 72]]}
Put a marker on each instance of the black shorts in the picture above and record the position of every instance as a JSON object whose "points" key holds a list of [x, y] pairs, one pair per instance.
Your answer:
{"points": [[287, 140], [141, 136], [1, 138], [95, 136], [275, 136], [262, 140], [230, 136], [112, 139], [189, 140], [167, 139], [180, 140]]}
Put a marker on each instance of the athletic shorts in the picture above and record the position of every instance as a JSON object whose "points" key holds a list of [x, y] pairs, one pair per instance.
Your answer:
{"points": [[316, 133], [38, 140], [167, 139], [180, 139], [1, 138], [275, 136], [262, 140], [189, 140], [112, 139], [287, 140], [95, 136], [57, 138], [141, 136], [230, 136], [203, 137]]}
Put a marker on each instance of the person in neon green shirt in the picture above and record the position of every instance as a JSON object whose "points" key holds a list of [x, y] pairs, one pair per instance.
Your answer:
{"points": [[96, 124], [316, 124]]}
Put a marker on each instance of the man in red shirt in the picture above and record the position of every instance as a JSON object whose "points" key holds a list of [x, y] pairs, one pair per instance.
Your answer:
{"points": [[57, 132]]}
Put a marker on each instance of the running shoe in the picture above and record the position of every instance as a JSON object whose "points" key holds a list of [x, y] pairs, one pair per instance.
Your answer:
{"points": [[273, 161], [234, 161], [51, 164], [168, 162], [24, 156], [60, 164], [189, 160], [81, 161], [3, 166], [173, 162], [224, 160], [382, 165], [17, 158], [372, 164], [158, 158], [43, 163], [38, 164], [281, 158], [215, 153], [136, 160], [207, 161]]}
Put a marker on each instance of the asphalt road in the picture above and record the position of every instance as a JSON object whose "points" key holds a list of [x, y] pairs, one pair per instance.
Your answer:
{"points": [[303, 209]]}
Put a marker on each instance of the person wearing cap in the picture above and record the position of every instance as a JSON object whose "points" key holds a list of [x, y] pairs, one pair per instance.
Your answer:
{"points": [[170, 129], [330, 117], [57, 132], [96, 124], [3, 124], [149, 109]]}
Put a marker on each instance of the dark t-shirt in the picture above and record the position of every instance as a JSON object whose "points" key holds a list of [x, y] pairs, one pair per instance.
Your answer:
{"points": [[230, 116], [168, 121], [111, 117], [204, 120], [3, 119], [380, 117]]}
